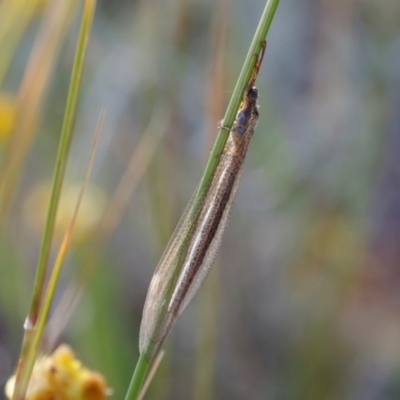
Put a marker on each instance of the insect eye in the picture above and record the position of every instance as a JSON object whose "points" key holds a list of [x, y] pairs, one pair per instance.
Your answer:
{"points": [[253, 93]]}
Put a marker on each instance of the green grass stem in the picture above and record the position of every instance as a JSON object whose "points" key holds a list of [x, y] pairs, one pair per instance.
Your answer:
{"points": [[138, 378], [62, 156], [24, 368], [237, 95], [243, 80]]}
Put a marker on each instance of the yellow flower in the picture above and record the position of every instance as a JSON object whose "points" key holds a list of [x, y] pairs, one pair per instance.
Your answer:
{"points": [[61, 376], [7, 115]]}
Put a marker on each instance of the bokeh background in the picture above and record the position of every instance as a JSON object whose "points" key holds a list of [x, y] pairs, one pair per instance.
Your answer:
{"points": [[304, 300]]}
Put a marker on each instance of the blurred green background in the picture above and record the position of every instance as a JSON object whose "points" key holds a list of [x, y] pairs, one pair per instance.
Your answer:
{"points": [[303, 302]]}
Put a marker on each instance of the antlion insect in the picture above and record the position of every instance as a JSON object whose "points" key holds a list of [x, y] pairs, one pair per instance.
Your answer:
{"points": [[196, 240]]}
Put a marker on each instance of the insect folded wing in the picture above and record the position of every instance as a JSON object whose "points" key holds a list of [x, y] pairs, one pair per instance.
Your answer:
{"points": [[196, 241]]}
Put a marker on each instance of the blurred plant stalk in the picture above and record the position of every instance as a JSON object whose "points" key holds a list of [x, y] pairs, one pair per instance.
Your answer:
{"points": [[39, 71], [32, 335]]}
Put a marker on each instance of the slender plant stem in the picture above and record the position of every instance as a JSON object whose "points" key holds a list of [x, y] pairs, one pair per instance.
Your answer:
{"points": [[24, 371], [243, 80], [137, 378], [62, 156], [237, 95]]}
